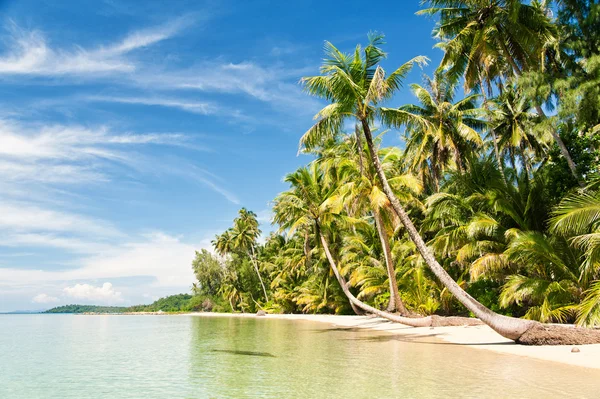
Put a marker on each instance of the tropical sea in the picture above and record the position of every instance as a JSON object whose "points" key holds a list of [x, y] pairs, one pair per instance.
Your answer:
{"points": [[76, 356]]}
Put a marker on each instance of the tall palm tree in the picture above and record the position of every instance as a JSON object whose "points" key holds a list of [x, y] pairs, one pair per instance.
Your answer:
{"points": [[362, 195], [450, 134], [306, 205], [514, 123], [486, 39], [356, 85], [244, 235]]}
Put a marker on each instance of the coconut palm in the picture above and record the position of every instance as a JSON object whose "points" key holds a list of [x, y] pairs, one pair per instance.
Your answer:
{"points": [[244, 235], [514, 124], [578, 217], [306, 205], [356, 85], [363, 196], [450, 134], [484, 40]]}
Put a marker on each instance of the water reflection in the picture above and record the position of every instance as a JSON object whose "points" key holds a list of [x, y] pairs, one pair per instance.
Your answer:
{"points": [[299, 359]]}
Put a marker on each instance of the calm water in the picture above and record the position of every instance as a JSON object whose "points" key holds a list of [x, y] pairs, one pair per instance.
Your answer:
{"points": [[65, 356]]}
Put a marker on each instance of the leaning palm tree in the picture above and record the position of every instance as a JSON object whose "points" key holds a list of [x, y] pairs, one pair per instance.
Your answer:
{"points": [[306, 205], [484, 40], [356, 86], [362, 195]]}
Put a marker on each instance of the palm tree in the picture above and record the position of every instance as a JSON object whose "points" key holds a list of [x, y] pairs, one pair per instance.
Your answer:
{"points": [[242, 237], [578, 217], [486, 39], [362, 195], [450, 134], [356, 86], [306, 205], [244, 234], [514, 123]]}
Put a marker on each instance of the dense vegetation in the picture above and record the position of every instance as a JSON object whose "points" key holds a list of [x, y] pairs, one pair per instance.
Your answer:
{"points": [[496, 191], [86, 309], [172, 303], [180, 303]]}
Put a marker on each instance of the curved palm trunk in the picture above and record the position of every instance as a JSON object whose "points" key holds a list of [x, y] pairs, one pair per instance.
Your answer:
{"points": [[523, 331], [428, 321], [395, 299], [506, 326], [254, 263]]}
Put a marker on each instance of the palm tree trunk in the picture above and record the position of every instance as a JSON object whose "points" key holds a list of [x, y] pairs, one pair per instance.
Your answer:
{"points": [[395, 299], [429, 321], [498, 157], [523, 331], [506, 326], [254, 263], [494, 137], [562, 147]]}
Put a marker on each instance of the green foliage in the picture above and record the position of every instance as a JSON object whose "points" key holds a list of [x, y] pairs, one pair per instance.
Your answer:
{"points": [[483, 178], [86, 309], [209, 273]]}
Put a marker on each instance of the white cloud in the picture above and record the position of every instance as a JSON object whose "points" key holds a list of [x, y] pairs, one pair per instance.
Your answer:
{"points": [[91, 245], [31, 141], [44, 298], [275, 85], [202, 108], [26, 217], [165, 258], [88, 293], [30, 54]]}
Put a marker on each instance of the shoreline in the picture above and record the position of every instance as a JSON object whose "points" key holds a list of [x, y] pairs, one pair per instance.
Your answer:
{"points": [[477, 337]]}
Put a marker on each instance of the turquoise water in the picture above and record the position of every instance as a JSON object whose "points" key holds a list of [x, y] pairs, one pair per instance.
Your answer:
{"points": [[69, 356]]}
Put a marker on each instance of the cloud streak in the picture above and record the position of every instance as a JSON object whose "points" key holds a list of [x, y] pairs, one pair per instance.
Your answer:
{"points": [[202, 108], [29, 52]]}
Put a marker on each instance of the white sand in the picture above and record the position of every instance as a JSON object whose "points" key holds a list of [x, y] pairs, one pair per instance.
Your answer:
{"points": [[479, 337]]}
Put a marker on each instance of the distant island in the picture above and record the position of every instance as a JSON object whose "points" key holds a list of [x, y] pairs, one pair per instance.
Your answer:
{"points": [[170, 304], [86, 309]]}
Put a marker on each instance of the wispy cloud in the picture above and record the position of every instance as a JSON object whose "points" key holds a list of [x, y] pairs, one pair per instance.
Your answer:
{"points": [[29, 52], [71, 153], [23, 217], [202, 108], [145, 256], [275, 85]]}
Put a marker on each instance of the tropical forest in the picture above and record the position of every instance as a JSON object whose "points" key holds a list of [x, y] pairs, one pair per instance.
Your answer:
{"points": [[489, 211]]}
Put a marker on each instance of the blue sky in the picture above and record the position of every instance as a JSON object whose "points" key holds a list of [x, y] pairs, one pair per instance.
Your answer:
{"points": [[132, 132]]}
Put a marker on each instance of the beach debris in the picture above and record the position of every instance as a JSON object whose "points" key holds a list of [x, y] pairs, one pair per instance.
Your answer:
{"points": [[575, 350], [261, 313]]}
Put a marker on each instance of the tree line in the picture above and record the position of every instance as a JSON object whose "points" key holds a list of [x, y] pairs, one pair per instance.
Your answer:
{"points": [[491, 209]]}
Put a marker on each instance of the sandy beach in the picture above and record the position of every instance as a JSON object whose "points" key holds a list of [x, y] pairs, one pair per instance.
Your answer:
{"points": [[478, 337]]}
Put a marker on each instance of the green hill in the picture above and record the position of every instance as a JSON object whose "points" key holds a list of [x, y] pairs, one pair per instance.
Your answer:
{"points": [[87, 309]]}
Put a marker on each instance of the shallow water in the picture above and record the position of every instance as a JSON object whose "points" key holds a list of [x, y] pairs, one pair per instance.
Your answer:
{"points": [[69, 356]]}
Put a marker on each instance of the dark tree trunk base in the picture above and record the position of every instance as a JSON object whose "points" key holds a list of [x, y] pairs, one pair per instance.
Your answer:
{"points": [[552, 334]]}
